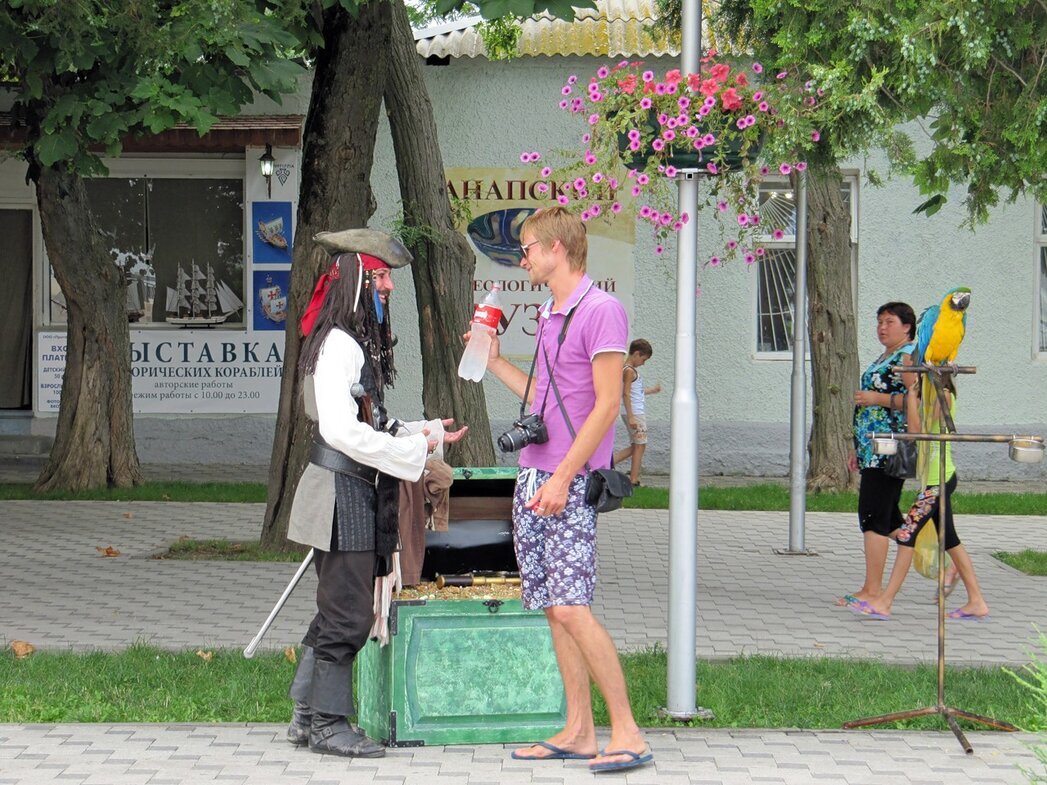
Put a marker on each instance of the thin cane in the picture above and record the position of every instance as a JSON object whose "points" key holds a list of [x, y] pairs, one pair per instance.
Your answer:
{"points": [[253, 645]]}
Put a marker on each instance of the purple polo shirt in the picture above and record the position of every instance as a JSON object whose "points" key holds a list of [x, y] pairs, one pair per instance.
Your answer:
{"points": [[600, 325]]}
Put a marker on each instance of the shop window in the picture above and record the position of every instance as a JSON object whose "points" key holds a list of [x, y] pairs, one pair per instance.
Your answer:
{"points": [[776, 270], [154, 227]]}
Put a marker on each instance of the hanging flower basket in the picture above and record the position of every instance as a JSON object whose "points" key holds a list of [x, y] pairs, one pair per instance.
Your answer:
{"points": [[642, 129], [736, 151]]}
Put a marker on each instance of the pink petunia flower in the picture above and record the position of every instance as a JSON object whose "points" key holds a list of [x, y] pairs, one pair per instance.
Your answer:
{"points": [[546, 171], [785, 168], [616, 208], [757, 68], [712, 168], [645, 103]]}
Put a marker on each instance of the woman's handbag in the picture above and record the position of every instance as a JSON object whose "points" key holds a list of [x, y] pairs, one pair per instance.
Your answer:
{"points": [[902, 464]]}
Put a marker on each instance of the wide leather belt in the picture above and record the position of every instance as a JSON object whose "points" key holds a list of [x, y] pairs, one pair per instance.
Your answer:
{"points": [[330, 458]]}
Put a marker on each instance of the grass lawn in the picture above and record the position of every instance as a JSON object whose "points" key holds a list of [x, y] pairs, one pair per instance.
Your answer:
{"points": [[144, 684], [1028, 561], [752, 497]]}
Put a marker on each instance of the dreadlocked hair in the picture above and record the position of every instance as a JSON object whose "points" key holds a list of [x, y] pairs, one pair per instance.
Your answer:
{"points": [[374, 337]]}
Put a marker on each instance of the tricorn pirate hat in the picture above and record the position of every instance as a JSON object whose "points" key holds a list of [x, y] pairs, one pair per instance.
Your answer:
{"points": [[370, 242]]}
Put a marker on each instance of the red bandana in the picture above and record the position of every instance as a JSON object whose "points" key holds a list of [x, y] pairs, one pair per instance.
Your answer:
{"points": [[316, 302], [372, 263]]}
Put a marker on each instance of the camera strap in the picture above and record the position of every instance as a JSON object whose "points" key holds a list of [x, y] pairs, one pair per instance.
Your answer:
{"points": [[563, 411], [552, 378], [534, 360]]}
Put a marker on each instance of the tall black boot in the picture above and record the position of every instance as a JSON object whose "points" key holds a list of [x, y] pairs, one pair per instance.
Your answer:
{"points": [[331, 700], [302, 718]]}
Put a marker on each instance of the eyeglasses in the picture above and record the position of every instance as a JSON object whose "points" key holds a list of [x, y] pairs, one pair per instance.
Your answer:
{"points": [[526, 247]]}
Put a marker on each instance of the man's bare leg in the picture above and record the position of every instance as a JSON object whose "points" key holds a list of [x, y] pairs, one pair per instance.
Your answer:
{"points": [[601, 658], [579, 733]]}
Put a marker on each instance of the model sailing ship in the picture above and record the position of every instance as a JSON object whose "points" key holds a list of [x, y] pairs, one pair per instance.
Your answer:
{"points": [[200, 301]]}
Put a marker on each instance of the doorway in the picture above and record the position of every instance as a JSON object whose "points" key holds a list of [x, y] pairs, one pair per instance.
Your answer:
{"points": [[16, 290]]}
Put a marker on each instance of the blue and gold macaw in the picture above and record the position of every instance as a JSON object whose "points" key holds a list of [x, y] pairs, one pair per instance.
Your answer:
{"points": [[939, 333]]}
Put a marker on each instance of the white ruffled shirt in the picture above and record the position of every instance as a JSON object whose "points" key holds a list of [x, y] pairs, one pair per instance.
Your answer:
{"points": [[338, 366]]}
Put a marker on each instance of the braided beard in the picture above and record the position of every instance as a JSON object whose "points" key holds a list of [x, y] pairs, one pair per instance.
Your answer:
{"points": [[375, 337]]}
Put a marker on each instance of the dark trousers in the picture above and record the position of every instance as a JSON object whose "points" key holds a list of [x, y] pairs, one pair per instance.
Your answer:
{"points": [[344, 602]]}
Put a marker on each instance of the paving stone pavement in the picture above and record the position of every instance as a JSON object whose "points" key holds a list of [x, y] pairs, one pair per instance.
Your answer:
{"points": [[58, 592]]}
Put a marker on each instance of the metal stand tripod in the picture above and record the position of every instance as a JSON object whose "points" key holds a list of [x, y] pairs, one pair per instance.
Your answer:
{"points": [[948, 434]]}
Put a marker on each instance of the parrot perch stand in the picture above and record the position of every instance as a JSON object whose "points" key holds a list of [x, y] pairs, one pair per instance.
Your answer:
{"points": [[1026, 449]]}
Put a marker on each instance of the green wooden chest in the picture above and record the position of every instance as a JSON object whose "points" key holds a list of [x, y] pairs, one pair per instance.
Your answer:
{"points": [[461, 672]]}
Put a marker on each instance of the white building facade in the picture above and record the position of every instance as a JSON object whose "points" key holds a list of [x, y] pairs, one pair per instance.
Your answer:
{"points": [[488, 113]]}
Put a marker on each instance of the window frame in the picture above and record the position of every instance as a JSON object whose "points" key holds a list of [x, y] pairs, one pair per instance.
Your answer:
{"points": [[170, 167], [851, 180]]}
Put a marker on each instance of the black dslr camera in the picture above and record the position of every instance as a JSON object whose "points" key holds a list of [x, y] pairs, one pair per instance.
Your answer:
{"points": [[527, 430]]}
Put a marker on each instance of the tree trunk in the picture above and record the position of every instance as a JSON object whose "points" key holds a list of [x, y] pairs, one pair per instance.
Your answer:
{"points": [[834, 341], [94, 440], [337, 153], [443, 261]]}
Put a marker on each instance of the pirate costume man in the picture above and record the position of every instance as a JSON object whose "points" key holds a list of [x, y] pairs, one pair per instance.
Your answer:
{"points": [[346, 505]]}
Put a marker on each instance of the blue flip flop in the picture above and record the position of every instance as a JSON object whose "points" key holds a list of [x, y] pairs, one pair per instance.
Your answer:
{"points": [[865, 610], [556, 753], [635, 760], [958, 615]]}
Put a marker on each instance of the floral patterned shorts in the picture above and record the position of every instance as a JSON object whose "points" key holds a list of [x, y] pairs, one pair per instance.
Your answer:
{"points": [[556, 554]]}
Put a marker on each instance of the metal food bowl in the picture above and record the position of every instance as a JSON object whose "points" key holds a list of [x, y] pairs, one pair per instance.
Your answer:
{"points": [[885, 445], [1025, 450]]}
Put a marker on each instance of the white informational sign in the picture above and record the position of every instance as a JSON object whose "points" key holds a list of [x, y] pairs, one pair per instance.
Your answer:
{"points": [[499, 200], [183, 371]]}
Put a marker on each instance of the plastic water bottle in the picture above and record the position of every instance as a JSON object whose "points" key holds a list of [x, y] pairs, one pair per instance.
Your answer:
{"points": [[485, 320]]}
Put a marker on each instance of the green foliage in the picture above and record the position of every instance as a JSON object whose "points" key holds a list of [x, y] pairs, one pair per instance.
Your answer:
{"points": [[88, 73], [492, 9], [501, 37], [970, 73], [1033, 677]]}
